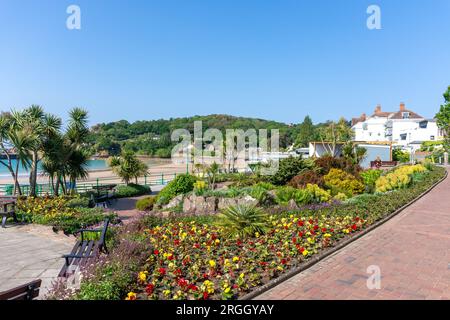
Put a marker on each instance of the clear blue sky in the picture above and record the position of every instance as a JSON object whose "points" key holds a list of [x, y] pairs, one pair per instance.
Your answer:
{"points": [[273, 59]]}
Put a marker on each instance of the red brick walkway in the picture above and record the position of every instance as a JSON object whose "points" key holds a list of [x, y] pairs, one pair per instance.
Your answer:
{"points": [[412, 251]]}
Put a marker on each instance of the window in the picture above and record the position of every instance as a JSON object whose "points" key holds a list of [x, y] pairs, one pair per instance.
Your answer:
{"points": [[405, 115], [423, 124], [431, 137], [365, 126], [403, 136]]}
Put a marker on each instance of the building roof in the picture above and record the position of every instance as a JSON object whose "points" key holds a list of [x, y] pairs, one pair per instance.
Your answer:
{"points": [[399, 115]]}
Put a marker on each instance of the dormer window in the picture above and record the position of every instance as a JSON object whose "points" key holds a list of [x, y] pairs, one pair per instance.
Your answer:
{"points": [[423, 124], [365, 126], [405, 115]]}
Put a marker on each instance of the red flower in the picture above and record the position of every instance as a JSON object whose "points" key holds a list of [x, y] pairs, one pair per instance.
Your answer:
{"points": [[324, 229], [354, 227], [155, 252], [182, 282], [300, 223], [192, 287], [176, 242], [316, 227], [162, 271], [294, 240], [301, 249], [283, 261], [149, 288], [205, 295], [300, 234], [196, 245]]}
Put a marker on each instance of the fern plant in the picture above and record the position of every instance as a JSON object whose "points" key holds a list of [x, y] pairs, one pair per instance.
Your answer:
{"points": [[243, 221]]}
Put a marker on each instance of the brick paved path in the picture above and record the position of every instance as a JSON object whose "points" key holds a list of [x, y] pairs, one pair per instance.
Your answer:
{"points": [[412, 251], [31, 252]]}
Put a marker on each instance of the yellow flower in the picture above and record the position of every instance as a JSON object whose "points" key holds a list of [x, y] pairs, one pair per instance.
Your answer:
{"points": [[235, 259], [142, 276], [217, 241], [166, 292], [131, 296], [212, 263], [257, 234], [327, 235], [242, 275], [227, 289], [305, 252]]}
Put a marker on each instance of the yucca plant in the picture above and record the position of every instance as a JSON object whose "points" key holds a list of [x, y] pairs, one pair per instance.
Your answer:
{"points": [[243, 221]]}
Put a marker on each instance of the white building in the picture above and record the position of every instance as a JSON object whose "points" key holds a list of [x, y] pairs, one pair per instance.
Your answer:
{"points": [[403, 127]]}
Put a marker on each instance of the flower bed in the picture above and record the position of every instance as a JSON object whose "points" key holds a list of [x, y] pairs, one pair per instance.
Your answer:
{"points": [[60, 212], [192, 259]]}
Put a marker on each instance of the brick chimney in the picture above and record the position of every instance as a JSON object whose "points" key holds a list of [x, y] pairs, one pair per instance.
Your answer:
{"points": [[378, 109], [363, 117], [402, 106]]}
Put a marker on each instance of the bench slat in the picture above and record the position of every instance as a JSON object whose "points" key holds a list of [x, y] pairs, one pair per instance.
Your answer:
{"points": [[20, 293]]}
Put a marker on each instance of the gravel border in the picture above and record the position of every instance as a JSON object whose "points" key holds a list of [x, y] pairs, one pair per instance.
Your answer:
{"points": [[308, 264]]}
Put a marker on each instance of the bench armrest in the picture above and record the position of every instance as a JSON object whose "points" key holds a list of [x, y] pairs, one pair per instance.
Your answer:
{"points": [[88, 230]]}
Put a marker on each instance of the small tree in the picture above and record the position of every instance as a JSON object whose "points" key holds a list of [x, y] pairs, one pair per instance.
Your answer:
{"points": [[127, 166], [443, 118], [211, 173]]}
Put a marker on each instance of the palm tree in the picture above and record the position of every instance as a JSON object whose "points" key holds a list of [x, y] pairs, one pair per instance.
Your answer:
{"points": [[127, 166], [44, 127], [65, 155]]}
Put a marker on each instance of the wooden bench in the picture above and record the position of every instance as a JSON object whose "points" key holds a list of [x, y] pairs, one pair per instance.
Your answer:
{"points": [[8, 205], [85, 250], [104, 194], [28, 291]]}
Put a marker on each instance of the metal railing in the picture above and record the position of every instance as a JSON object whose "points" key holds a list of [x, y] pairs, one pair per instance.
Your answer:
{"points": [[155, 179]]}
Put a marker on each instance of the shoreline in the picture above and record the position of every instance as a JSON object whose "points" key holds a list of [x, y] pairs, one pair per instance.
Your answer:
{"points": [[154, 171]]}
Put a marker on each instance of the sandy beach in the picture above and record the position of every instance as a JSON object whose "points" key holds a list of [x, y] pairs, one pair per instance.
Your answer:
{"points": [[164, 169]]}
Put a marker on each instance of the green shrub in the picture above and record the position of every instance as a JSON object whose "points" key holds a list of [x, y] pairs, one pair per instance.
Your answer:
{"points": [[182, 184], [339, 181], [82, 202], [284, 194], [369, 178], [132, 190], [243, 221], [145, 204], [288, 168], [400, 155], [260, 194]]}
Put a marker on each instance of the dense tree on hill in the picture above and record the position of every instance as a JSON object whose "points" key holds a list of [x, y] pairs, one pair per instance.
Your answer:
{"points": [[153, 137], [306, 133]]}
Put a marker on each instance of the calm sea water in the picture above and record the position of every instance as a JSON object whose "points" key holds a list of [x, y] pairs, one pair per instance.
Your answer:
{"points": [[91, 165]]}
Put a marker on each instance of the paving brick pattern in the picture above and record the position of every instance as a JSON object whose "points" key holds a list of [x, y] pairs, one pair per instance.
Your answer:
{"points": [[31, 252], [412, 251]]}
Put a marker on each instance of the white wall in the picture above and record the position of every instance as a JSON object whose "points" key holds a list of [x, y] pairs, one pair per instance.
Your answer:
{"points": [[413, 131], [373, 129], [376, 130]]}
